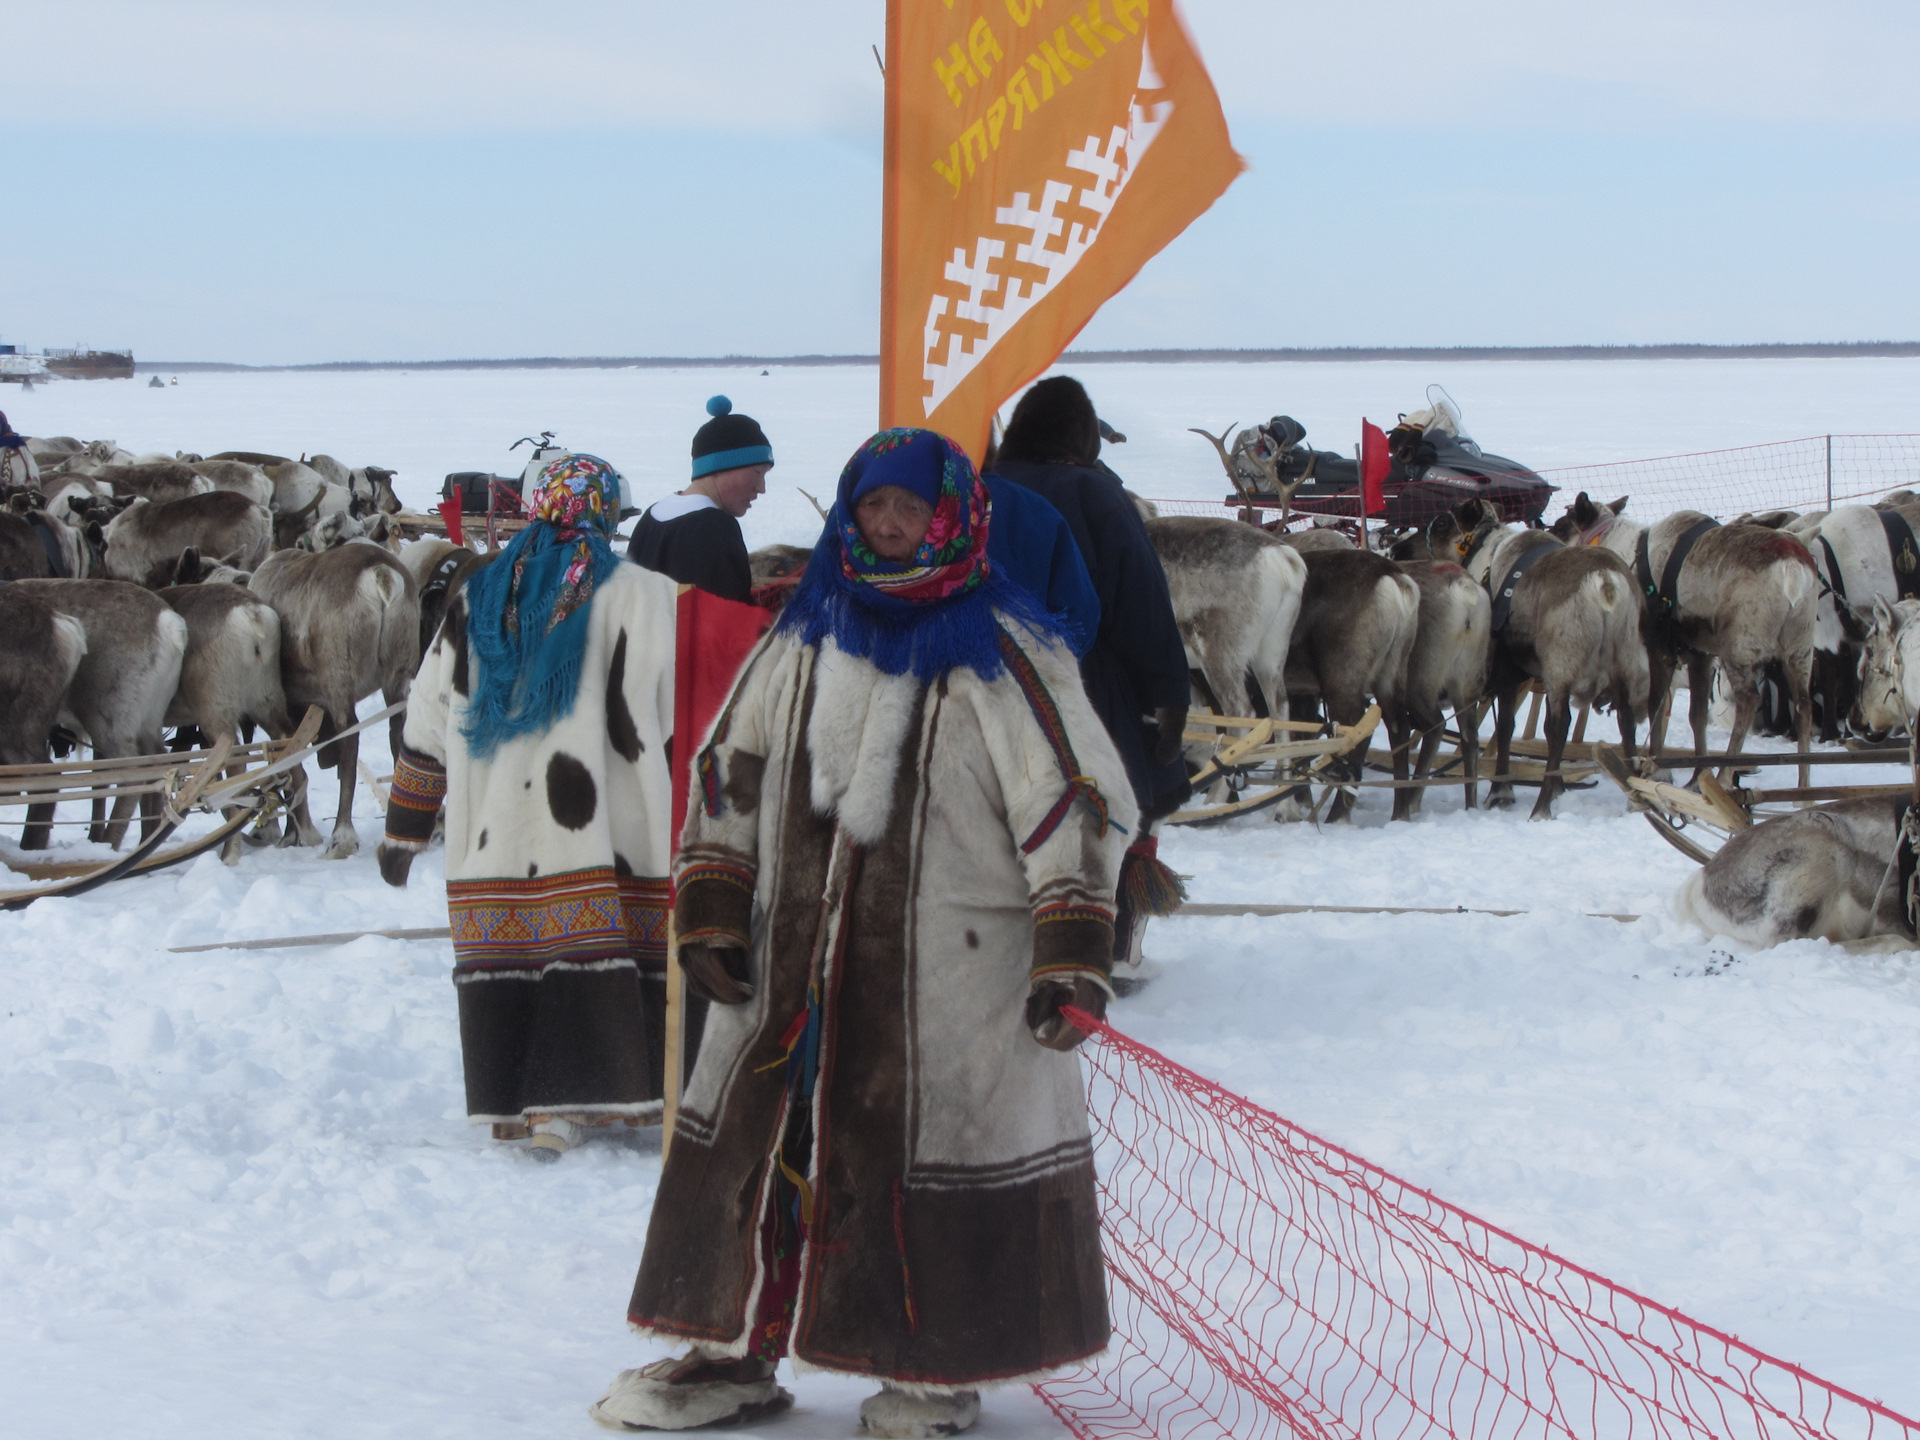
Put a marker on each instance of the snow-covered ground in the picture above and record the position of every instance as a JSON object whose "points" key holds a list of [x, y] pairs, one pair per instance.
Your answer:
{"points": [[240, 1195]]}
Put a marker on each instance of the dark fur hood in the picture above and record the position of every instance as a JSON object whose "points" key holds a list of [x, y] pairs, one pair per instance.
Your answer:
{"points": [[1053, 423]]}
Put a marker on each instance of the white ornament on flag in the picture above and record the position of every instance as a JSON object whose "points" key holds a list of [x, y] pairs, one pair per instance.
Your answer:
{"points": [[1103, 174]]}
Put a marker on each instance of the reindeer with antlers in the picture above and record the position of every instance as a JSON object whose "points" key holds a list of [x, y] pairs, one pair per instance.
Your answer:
{"points": [[1253, 464]]}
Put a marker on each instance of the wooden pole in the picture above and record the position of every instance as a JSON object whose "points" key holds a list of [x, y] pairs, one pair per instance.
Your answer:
{"points": [[676, 1039], [676, 1006], [1203, 910]]}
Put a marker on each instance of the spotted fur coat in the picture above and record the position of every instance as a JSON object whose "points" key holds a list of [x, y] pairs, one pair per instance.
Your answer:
{"points": [[557, 861], [913, 855]]}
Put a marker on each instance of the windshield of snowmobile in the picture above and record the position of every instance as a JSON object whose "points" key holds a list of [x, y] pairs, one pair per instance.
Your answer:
{"points": [[1440, 421]]}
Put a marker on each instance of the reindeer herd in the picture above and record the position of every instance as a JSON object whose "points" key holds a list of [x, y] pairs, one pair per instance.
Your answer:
{"points": [[209, 594], [1600, 608], [219, 594]]}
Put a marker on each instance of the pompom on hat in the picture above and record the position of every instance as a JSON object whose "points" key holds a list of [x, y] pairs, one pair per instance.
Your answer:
{"points": [[728, 441]]}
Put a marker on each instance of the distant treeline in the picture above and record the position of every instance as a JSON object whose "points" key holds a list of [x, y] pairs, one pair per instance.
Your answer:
{"points": [[1841, 350]]}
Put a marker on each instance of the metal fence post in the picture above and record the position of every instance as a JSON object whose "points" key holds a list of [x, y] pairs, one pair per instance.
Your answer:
{"points": [[1829, 472]]}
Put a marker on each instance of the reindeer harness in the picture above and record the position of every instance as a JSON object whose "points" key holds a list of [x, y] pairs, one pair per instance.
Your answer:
{"points": [[56, 558], [1902, 551], [1503, 597], [442, 575], [1597, 531], [1663, 601]]}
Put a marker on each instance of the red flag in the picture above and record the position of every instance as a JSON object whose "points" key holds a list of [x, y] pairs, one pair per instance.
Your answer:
{"points": [[711, 643], [1374, 464], [450, 512]]}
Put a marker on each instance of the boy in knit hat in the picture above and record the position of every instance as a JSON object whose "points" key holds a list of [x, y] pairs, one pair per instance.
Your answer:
{"points": [[694, 537]]}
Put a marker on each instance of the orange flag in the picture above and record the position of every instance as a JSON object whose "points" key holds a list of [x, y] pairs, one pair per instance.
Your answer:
{"points": [[1038, 153]]}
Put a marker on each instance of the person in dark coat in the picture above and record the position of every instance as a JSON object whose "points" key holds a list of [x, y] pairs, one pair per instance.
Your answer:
{"points": [[1031, 542], [694, 537], [1136, 671]]}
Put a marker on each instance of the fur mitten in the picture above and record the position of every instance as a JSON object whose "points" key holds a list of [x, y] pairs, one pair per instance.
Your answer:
{"points": [[717, 973], [1044, 1019], [395, 861]]}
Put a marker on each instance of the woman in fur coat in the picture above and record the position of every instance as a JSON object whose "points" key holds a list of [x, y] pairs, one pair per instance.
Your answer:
{"points": [[898, 866], [541, 715]]}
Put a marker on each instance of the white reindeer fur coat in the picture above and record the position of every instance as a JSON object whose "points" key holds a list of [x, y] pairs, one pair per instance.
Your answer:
{"points": [[887, 842], [557, 861]]}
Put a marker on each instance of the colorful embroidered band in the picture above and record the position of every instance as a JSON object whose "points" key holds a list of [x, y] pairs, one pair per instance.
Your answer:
{"points": [[1079, 787]]}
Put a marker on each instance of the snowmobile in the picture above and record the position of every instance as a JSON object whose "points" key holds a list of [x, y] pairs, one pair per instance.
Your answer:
{"points": [[482, 492], [1435, 466]]}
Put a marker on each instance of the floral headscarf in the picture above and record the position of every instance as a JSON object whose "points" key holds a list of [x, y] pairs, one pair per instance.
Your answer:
{"points": [[934, 611], [528, 610], [953, 557]]}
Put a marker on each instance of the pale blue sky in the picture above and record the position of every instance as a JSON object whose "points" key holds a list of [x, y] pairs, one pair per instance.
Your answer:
{"points": [[209, 179]]}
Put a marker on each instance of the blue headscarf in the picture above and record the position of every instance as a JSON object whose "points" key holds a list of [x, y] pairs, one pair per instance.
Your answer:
{"points": [[9, 438], [928, 614], [527, 612]]}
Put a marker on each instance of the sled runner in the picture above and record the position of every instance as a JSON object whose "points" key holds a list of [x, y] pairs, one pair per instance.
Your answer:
{"points": [[240, 783], [1244, 746], [1726, 803]]}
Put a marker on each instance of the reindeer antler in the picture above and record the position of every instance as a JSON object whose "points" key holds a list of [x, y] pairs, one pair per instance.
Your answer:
{"points": [[1219, 443]]}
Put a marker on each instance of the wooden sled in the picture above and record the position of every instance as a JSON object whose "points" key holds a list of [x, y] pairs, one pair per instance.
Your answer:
{"points": [[1243, 746], [1724, 805], [181, 784]]}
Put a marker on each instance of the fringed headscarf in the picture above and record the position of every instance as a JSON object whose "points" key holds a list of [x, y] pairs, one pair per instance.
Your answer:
{"points": [[527, 612], [928, 614]]}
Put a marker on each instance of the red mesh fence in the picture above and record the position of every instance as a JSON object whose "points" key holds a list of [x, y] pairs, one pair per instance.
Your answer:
{"points": [[1266, 1283], [1814, 473]]}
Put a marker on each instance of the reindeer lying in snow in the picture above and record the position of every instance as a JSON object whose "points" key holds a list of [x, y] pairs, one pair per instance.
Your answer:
{"points": [[1570, 618], [1828, 872]]}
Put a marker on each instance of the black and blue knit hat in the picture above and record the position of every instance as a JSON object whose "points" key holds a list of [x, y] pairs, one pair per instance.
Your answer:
{"points": [[728, 441]]}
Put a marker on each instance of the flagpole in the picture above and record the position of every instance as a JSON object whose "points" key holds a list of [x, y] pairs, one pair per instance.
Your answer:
{"points": [[889, 222], [1360, 466]]}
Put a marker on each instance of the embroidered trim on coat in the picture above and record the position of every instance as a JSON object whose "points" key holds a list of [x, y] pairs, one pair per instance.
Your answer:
{"points": [[736, 875], [644, 903], [1047, 713], [547, 919], [419, 790], [1067, 910]]}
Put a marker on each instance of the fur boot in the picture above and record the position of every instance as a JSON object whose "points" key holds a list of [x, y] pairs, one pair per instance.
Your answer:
{"points": [[896, 1415], [553, 1136], [691, 1391]]}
